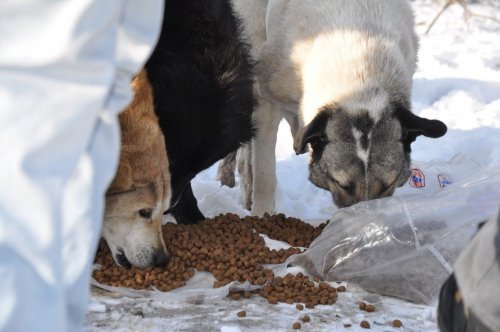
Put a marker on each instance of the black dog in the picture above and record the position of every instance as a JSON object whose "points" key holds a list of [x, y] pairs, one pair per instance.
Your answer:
{"points": [[202, 77]]}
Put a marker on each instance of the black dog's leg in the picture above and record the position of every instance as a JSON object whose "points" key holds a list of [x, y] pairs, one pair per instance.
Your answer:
{"points": [[186, 211]]}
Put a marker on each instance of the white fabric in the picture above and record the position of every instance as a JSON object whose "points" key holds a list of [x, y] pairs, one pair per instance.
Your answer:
{"points": [[65, 68]]}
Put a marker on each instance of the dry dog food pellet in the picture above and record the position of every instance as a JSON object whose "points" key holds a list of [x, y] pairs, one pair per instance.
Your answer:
{"points": [[397, 323], [364, 324], [230, 248], [296, 326], [299, 307], [370, 308], [272, 300], [341, 289], [306, 319], [362, 305], [241, 314], [310, 305]]}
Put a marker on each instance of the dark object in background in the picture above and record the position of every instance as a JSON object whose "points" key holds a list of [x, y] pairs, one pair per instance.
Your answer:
{"points": [[470, 298], [453, 315], [202, 80]]}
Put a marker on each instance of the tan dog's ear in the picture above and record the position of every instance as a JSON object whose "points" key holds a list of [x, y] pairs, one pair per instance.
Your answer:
{"points": [[123, 178], [142, 133]]}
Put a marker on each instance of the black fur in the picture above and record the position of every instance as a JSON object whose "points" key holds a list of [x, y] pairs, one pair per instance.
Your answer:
{"points": [[414, 126], [202, 79], [315, 134], [364, 124]]}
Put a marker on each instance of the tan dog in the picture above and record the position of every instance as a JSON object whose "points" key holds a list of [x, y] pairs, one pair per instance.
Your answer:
{"points": [[140, 191]]}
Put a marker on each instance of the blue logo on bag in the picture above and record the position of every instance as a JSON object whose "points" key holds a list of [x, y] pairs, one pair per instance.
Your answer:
{"points": [[443, 180]]}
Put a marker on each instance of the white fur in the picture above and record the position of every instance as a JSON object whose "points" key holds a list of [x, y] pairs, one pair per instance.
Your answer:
{"points": [[353, 53], [253, 13], [361, 153]]}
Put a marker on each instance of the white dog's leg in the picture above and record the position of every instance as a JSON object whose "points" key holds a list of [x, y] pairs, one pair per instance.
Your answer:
{"points": [[267, 118], [225, 171], [244, 164]]}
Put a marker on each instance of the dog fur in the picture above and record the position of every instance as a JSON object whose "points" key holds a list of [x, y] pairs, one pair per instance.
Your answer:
{"points": [[140, 191], [202, 80], [340, 71]]}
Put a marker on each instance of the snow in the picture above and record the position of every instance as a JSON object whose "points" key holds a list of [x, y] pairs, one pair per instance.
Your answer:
{"points": [[457, 82]]}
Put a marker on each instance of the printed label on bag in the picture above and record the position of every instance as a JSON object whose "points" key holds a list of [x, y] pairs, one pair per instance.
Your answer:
{"points": [[443, 180], [417, 178]]}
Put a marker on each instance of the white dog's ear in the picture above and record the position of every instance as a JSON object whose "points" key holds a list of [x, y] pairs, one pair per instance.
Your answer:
{"points": [[313, 132], [415, 126]]}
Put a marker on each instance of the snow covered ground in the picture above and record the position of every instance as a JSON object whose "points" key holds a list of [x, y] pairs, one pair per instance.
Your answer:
{"points": [[457, 81]]}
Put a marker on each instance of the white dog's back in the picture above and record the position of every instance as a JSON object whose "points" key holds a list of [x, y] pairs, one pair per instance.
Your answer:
{"points": [[320, 45]]}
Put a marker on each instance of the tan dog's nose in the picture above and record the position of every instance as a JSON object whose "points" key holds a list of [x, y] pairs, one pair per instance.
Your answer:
{"points": [[160, 258]]}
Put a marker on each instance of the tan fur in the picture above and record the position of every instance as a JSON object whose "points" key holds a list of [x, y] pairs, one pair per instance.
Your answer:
{"points": [[142, 182]]}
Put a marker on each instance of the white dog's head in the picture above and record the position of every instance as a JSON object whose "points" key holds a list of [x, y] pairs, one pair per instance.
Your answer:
{"points": [[140, 191], [360, 153]]}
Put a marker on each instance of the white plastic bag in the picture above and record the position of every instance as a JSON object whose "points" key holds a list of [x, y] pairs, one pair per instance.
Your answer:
{"points": [[405, 245]]}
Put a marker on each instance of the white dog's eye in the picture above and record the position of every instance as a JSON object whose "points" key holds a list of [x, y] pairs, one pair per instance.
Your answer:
{"points": [[349, 187], [146, 213]]}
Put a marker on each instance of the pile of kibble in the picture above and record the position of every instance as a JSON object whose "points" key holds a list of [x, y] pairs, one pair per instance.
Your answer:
{"points": [[291, 230], [231, 249]]}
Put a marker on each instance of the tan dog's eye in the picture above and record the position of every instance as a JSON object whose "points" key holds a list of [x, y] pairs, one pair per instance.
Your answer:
{"points": [[146, 213]]}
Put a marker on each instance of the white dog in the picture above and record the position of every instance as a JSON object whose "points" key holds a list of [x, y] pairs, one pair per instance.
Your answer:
{"points": [[340, 72]]}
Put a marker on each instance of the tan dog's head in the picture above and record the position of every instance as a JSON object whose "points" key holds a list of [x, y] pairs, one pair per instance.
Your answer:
{"points": [[140, 191]]}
